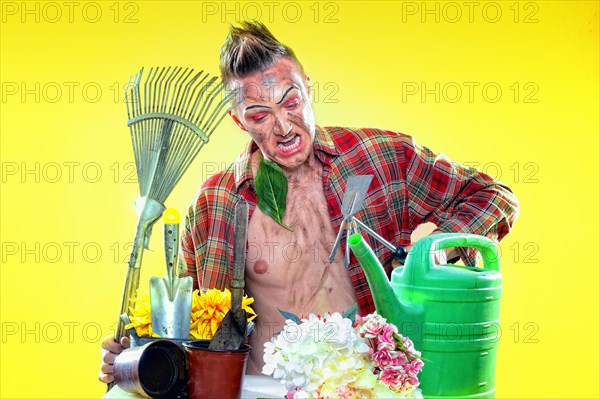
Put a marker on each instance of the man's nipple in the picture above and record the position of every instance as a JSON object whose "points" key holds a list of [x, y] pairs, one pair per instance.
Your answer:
{"points": [[260, 267]]}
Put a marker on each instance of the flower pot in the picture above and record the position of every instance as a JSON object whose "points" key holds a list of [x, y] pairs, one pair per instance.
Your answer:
{"points": [[139, 341], [154, 370], [215, 373]]}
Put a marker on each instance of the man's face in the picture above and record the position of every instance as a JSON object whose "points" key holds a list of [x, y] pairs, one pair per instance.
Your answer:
{"points": [[274, 108]]}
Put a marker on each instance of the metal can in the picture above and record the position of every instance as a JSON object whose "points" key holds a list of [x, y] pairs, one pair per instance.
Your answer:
{"points": [[154, 370]]}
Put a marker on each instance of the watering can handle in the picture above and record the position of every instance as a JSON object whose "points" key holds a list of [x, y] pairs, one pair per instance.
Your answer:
{"points": [[431, 243]]}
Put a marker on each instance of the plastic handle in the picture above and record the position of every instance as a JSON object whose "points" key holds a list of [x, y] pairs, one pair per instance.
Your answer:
{"points": [[171, 216], [428, 245]]}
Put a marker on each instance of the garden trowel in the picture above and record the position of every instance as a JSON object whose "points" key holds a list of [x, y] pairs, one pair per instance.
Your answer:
{"points": [[171, 296]]}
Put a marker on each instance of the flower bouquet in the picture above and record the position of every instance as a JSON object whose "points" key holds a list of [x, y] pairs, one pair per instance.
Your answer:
{"points": [[331, 356], [208, 309]]}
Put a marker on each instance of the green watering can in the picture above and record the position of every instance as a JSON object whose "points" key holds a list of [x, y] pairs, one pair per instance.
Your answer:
{"points": [[451, 313]]}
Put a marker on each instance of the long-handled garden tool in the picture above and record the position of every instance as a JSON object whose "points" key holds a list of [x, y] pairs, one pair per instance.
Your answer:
{"points": [[232, 331], [172, 113], [171, 296]]}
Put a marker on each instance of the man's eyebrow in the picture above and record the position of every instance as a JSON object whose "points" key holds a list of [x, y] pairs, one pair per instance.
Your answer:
{"points": [[286, 93], [255, 106], [279, 102]]}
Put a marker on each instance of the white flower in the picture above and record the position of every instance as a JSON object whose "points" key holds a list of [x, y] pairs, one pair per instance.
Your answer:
{"points": [[318, 351], [327, 353]]}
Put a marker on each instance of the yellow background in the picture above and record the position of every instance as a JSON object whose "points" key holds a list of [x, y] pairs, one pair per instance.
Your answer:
{"points": [[363, 57]]}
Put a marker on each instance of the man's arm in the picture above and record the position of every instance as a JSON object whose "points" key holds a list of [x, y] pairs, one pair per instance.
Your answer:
{"points": [[205, 246], [454, 197], [187, 254]]}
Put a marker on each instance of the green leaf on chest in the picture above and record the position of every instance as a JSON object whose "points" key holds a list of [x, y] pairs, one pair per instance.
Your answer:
{"points": [[271, 189]]}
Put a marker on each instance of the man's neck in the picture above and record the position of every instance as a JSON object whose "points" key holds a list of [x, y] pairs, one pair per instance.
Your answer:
{"points": [[311, 169]]}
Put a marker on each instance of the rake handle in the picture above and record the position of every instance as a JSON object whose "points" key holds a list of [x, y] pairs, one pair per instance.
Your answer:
{"points": [[149, 212], [132, 282]]}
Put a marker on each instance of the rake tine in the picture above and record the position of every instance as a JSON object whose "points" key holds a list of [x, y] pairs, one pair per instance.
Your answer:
{"points": [[206, 103], [175, 101], [134, 97], [138, 130], [166, 132], [128, 87], [215, 113], [147, 129], [205, 88], [173, 81], [201, 85], [179, 95], [213, 94], [159, 89], [185, 104]]}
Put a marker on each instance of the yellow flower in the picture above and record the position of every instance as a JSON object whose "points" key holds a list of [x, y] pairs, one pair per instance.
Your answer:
{"points": [[208, 310], [141, 316]]}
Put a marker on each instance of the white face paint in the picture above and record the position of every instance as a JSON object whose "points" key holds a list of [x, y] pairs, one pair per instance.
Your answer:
{"points": [[275, 109]]}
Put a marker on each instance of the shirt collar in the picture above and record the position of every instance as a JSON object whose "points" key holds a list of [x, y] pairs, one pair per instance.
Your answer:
{"points": [[323, 145]]}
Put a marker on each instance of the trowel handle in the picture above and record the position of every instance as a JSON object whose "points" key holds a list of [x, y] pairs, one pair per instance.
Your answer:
{"points": [[171, 233], [428, 245]]}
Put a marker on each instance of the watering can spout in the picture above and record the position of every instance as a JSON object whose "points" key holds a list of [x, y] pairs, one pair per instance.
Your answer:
{"points": [[407, 317]]}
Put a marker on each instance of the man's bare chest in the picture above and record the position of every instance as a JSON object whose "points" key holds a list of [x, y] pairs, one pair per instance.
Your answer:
{"points": [[274, 253]]}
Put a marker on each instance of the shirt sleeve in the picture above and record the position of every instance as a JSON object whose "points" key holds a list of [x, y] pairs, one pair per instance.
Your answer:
{"points": [[204, 245], [187, 259], [458, 199]]}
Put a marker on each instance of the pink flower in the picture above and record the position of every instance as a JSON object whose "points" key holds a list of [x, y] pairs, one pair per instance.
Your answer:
{"points": [[383, 357], [408, 344], [358, 320], [372, 328], [393, 377], [414, 367], [411, 380], [296, 394], [386, 336], [400, 359]]}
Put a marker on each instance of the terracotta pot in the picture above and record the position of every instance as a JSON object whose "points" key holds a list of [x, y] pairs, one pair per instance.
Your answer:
{"points": [[215, 373], [155, 370]]}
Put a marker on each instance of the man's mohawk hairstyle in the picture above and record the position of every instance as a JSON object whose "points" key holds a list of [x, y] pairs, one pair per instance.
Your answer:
{"points": [[250, 48]]}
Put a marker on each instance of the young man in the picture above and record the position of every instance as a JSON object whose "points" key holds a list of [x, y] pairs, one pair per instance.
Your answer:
{"points": [[290, 270]]}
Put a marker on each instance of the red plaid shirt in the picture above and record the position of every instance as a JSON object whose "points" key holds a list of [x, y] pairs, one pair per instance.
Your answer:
{"points": [[411, 185]]}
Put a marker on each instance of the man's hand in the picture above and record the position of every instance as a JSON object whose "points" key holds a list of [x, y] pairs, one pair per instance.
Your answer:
{"points": [[426, 229], [110, 350]]}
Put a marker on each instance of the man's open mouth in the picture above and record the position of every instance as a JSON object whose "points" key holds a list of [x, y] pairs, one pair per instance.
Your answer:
{"points": [[289, 143]]}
